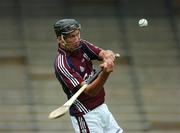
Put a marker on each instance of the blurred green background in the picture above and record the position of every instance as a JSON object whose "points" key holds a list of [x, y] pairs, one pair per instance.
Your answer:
{"points": [[143, 93]]}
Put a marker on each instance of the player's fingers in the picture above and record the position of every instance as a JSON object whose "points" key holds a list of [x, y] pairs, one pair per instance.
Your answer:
{"points": [[109, 61], [111, 54], [103, 65]]}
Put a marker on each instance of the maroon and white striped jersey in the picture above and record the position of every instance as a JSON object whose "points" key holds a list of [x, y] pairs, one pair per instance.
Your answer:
{"points": [[71, 69]]}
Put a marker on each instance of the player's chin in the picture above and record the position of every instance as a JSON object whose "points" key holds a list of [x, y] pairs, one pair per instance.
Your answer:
{"points": [[76, 45], [75, 48]]}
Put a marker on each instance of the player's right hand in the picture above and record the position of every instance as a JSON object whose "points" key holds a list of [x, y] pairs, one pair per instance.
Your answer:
{"points": [[107, 66]]}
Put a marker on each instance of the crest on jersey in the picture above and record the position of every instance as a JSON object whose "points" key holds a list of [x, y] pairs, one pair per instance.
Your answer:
{"points": [[81, 69], [86, 57]]}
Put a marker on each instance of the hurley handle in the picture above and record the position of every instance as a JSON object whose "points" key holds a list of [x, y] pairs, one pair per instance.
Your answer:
{"points": [[98, 72]]}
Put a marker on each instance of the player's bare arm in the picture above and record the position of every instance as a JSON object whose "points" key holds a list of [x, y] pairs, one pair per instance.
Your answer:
{"points": [[107, 66], [93, 88]]}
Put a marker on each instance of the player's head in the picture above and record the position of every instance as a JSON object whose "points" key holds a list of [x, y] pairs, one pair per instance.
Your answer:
{"points": [[66, 26], [68, 33]]}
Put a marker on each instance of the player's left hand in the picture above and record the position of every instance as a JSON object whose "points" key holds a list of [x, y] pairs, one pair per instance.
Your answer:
{"points": [[108, 61], [109, 57]]}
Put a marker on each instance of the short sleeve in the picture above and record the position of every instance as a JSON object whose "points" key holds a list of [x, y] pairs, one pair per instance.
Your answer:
{"points": [[91, 50]]}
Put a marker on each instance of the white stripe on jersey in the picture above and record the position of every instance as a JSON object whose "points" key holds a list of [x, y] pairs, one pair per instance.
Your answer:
{"points": [[81, 107], [71, 76], [66, 73]]}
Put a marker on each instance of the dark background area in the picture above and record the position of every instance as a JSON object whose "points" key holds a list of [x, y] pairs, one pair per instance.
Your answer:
{"points": [[142, 93]]}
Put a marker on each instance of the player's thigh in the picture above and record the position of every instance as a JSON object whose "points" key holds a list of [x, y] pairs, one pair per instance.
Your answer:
{"points": [[75, 124], [113, 126], [93, 124]]}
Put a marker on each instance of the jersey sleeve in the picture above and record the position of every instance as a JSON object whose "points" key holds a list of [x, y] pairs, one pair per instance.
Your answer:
{"points": [[91, 50], [67, 75]]}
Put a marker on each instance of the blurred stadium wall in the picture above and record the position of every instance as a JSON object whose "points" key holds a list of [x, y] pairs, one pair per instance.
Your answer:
{"points": [[142, 93]]}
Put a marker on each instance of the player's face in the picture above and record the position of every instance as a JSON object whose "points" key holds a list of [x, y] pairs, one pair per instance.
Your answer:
{"points": [[72, 40]]}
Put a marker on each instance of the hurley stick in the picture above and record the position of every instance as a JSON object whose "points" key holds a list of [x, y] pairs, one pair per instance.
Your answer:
{"points": [[64, 108]]}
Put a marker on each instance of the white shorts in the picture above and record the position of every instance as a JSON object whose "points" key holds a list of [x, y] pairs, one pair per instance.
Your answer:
{"points": [[99, 120]]}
